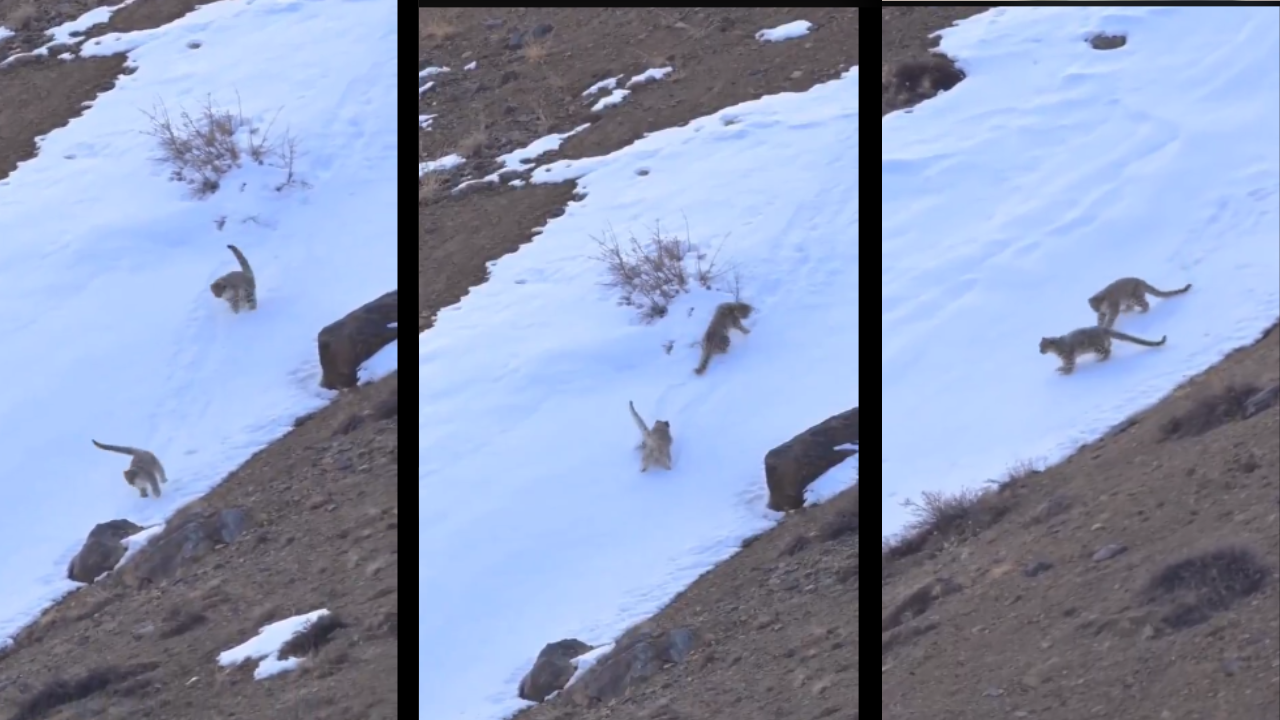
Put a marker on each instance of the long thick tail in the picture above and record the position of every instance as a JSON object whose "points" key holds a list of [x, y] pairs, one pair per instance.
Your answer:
{"points": [[644, 429], [1166, 293], [116, 448], [1129, 338], [244, 264], [706, 359]]}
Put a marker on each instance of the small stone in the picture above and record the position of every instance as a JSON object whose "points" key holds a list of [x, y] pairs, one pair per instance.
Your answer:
{"points": [[1109, 551], [1037, 568]]}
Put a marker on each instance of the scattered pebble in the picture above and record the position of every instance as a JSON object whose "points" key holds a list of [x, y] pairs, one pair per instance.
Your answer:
{"points": [[1109, 551]]}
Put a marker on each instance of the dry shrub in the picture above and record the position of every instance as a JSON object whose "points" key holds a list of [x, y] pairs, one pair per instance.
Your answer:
{"points": [[1221, 406], [1195, 588], [431, 187], [434, 29], [650, 274], [535, 51], [473, 142], [202, 147], [59, 691], [181, 620], [945, 519], [20, 17]]}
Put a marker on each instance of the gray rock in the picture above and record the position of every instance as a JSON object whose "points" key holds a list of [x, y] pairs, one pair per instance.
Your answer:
{"points": [[634, 662], [183, 542], [102, 550], [794, 465], [552, 670], [348, 342], [1261, 401]]}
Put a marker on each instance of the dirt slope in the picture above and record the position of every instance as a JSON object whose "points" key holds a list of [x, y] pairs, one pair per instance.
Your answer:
{"points": [[323, 509]]}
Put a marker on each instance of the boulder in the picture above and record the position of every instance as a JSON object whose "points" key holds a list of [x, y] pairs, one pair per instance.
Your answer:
{"points": [[102, 550], [552, 670], [1261, 400], [348, 342], [795, 464], [634, 661], [184, 540]]}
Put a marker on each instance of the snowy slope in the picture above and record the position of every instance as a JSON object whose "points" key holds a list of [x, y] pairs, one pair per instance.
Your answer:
{"points": [[109, 328], [1051, 171], [536, 523]]}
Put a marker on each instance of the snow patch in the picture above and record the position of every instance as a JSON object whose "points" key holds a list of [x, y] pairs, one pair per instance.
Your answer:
{"points": [[610, 100], [585, 661], [605, 84], [445, 163], [265, 646], [521, 158], [382, 364], [649, 76], [786, 31]]}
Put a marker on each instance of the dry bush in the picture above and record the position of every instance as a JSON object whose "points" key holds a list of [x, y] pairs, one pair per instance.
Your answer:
{"points": [[19, 18], [180, 620], [943, 519], [1197, 587], [1224, 404], [545, 121], [473, 142], [202, 147], [651, 274], [433, 28], [535, 51], [59, 691], [843, 519], [431, 187]]}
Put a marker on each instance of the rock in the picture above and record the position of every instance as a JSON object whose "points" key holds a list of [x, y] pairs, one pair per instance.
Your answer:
{"points": [[795, 464], [552, 670], [913, 81], [185, 540], [1109, 551], [347, 343], [509, 174], [1103, 41], [516, 41], [1037, 567], [101, 551], [542, 30], [1261, 401], [631, 664]]}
